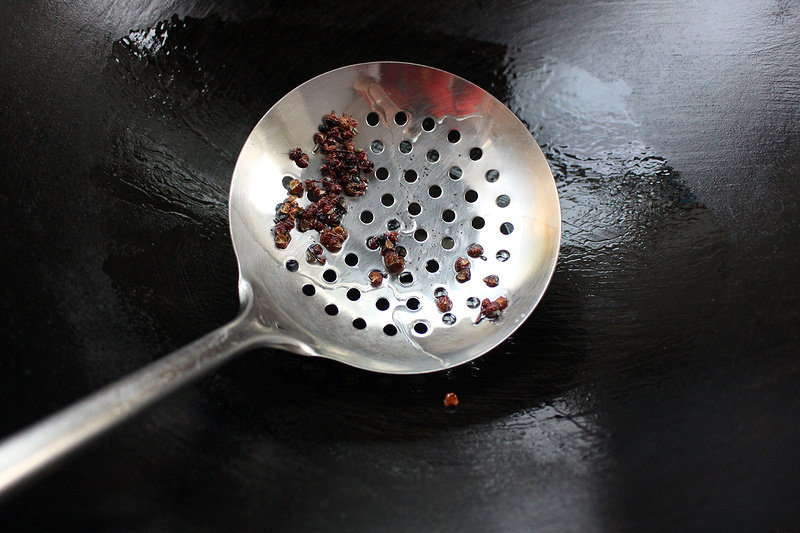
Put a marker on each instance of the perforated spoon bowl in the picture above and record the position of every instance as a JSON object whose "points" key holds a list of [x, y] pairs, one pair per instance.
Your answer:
{"points": [[453, 167]]}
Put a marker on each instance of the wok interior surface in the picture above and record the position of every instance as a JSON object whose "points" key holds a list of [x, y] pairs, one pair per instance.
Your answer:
{"points": [[654, 387]]}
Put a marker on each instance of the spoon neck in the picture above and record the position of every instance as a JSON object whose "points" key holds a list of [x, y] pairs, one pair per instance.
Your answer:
{"points": [[259, 326]]}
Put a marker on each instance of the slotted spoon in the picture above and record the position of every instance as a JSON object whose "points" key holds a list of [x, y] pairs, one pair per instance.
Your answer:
{"points": [[453, 167]]}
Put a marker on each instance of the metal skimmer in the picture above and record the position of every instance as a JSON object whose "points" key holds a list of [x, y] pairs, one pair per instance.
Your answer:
{"points": [[453, 167]]}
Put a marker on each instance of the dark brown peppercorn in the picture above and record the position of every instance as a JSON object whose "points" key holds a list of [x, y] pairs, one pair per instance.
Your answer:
{"points": [[386, 245], [314, 254], [444, 303], [355, 188], [450, 399], [296, 188], [475, 251], [375, 278], [300, 159], [282, 240], [463, 275], [461, 263], [365, 166], [491, 281], [394, 263], [333, 239], [340, 174], [492, 309], [393, 255]]}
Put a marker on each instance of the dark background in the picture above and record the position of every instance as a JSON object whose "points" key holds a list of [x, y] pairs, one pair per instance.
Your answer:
{"points": [[656, 386]]}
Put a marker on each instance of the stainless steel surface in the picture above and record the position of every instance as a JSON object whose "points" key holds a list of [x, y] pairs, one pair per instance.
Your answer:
{"points": [[455, 104], [509, 185]]}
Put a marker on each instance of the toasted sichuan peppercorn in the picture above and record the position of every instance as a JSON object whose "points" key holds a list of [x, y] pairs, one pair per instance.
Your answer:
{"points": [[282, 240], [462, 269], [393, 255], [314, 254], [289, 206], [366, 166], [314, 192], [394, 263], [355, 188], [296, 188], [492, 309], [386, 246], [349, 122], [491, 281], [340, 174], [375, 278], [300, 159], [476, 251], [283, 223], [444, 303], [450, 399], [305, 224], [461, 263], [333, 239]]}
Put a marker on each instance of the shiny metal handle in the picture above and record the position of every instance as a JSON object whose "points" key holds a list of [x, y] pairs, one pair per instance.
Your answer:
{"points": [[24, 454]]}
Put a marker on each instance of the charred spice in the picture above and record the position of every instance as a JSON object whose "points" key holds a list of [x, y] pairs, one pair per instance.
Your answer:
{"points": [[492, 309], [476, 251], [443, 301], [314, 254], [341, 174], [491, 280], [393, 255], [450, 399], [375, 278], [462, 267]]}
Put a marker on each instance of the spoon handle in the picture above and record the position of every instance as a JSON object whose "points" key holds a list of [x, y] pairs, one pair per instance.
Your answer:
{"points": [[32, 449]]}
